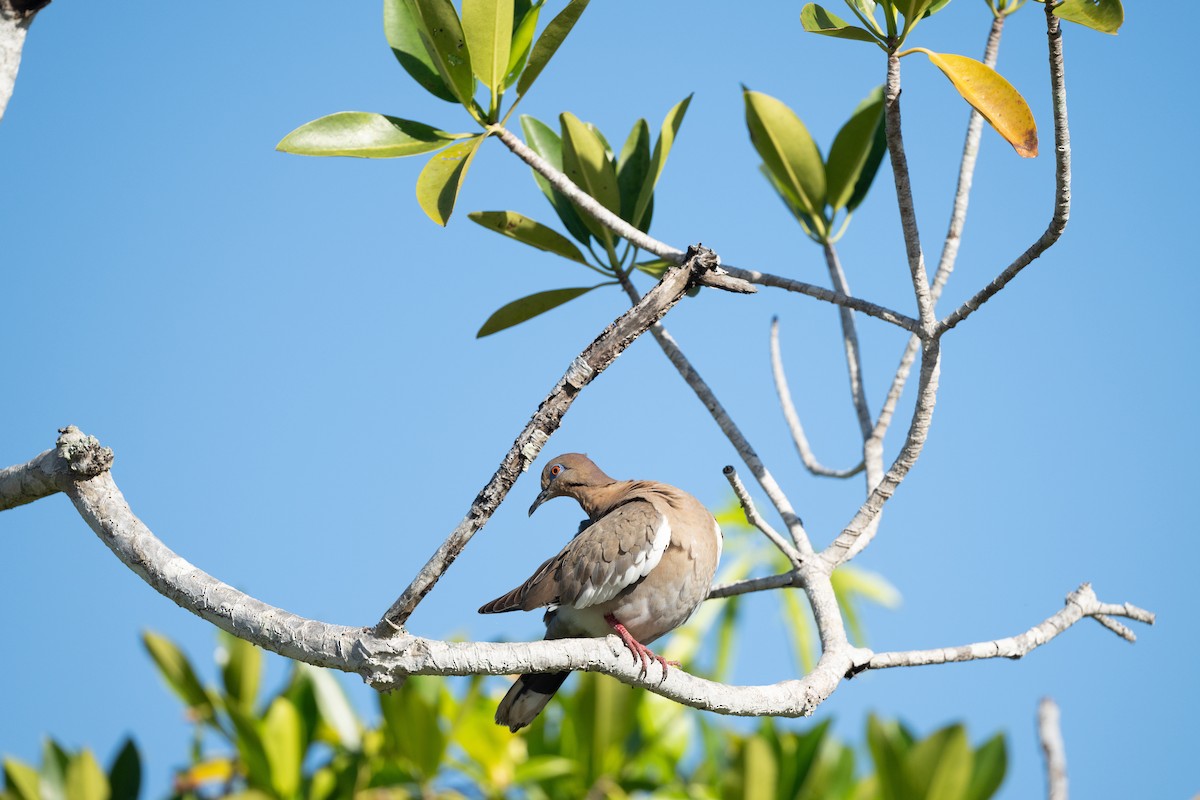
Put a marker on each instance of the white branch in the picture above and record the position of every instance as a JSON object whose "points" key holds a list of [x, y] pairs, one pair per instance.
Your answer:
{"points": [[1080, 603], [1050, 736], [755, 519], [793, 419], [728, 427]]}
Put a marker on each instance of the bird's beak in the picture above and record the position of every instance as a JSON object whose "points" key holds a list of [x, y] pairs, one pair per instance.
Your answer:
{"points": [[541, 498]]}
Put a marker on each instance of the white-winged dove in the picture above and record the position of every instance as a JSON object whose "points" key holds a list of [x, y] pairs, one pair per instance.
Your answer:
{"points": [[643, 563]]}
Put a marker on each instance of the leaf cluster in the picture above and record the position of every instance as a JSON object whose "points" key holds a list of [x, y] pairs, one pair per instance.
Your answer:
{"points": [[623, 182]]}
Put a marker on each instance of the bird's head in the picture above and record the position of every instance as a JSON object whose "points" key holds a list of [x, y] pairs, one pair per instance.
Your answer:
{"points": [[569, 474]]}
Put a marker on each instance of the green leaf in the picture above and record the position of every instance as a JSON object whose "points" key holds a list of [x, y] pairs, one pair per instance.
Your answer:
{"points": [[547, 144], [522, 41], [85, 779], [888, 750], [241, 671], [912, 10], [759, 770], [943, 763], [404, 35], [542, 769], [527, 231], [990, 764], [125, 773], [1105, 16], [549, 42], [586, 163], [528, 307], [413, 729], [442, 34], [21, 779], [487, 27], [175, 668], [655, 268], [815, 19], [662, 149], [284, 748], [54, 770], [251, 750], [788, 150], [870, 167], [442, 177], [632, 167], [852, 148], [993, 97], [363, 134], [336, 711]]}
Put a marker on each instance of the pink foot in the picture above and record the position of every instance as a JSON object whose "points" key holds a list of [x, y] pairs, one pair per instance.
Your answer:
{"points": [[640, 652]]}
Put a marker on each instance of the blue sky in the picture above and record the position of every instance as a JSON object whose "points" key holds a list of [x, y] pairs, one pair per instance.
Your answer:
{"points": [[281, 352]]}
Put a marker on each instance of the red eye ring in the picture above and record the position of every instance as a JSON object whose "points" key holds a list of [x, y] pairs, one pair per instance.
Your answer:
{"points": [[555, 470]]}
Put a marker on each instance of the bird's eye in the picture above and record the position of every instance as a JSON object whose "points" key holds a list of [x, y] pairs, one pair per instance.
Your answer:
{"points": [[555, 470]]}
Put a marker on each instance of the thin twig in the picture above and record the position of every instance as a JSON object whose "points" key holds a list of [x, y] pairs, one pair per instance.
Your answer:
{"points": [[1062, 183], [858, 396], [756, 519], [584, 201], [821, 293], [754, 585], [1079, 604], [764, 477], [793, 418], [590, 363], [1054, 749]]}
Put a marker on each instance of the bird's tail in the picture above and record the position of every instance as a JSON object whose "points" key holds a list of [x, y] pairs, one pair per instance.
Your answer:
{"points": [[527, 697]]}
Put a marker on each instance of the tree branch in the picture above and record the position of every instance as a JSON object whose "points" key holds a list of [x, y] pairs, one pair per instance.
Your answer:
{"points": [[74, 457], [764, 477], [587, 365], [821, 293], [755, 519], [754, 585], [861, 529], [904, 199], [1079, 604], [384, 661], [590, 206], [793, 418], [15, 18], [1062, 183], [958, 219], [850, 342], [1055, 750]]}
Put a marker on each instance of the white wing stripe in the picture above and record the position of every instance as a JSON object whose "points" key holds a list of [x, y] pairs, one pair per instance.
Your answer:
{"points": [[645, 561]]}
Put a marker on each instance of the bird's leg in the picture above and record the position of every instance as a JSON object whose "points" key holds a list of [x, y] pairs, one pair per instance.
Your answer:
{"points": [[639, 650]]}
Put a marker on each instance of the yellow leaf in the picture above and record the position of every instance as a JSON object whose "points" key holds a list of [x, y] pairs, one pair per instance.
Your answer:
{"points": [[992, 96]]}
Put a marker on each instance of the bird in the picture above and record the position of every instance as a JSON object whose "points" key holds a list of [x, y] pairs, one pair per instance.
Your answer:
{"points": [[639, 566]]}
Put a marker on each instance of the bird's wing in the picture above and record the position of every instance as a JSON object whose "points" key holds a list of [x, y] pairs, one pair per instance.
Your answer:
{"points": [[616, 551]]}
